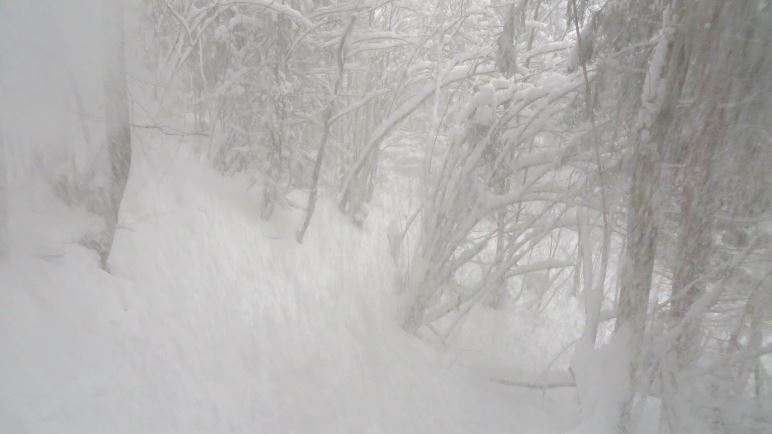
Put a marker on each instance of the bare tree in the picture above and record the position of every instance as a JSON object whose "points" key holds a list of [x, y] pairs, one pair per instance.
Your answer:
{"points": [[118, 129], [327, 116]]}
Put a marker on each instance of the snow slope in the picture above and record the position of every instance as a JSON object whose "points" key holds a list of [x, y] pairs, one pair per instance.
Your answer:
{"points": [[214, 321]]}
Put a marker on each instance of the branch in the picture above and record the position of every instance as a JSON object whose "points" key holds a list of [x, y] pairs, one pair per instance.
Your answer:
{"points": [[326, 133], [456, 74]]}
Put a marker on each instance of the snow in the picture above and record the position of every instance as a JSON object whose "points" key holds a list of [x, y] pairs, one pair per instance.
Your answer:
{"points": [[491, 337], [208, 318], [603, 383], [213, 320]]}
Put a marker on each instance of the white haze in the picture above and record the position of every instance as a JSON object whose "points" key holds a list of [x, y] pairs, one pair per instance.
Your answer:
{"points": [[336, 216]]}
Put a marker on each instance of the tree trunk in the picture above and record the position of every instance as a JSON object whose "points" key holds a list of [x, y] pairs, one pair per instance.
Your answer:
{"points": [[506, 55], [713, 59], [660, 93], [277, 119], [327, 116], [117, 120]]}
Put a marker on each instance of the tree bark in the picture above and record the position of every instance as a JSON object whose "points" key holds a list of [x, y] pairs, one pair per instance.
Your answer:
{"points": [[660, 93]]}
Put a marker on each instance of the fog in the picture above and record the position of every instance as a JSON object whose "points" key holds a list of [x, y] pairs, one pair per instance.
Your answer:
{"points": [[312, 216]]}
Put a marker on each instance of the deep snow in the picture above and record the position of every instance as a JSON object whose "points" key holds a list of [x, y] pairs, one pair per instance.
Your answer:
{"points": [[215, 321]]}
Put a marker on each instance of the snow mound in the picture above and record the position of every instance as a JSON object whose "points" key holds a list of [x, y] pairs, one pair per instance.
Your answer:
{"points": [[213, 320]]}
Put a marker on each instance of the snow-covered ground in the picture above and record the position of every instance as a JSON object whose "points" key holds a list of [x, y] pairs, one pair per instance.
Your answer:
{"points": [[213, 320]]}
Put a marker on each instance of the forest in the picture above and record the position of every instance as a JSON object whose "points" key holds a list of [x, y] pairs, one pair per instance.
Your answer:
{"points": [[386, 216]]}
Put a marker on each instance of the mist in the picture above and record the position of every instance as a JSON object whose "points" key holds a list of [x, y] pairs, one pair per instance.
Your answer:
{"points": [[313, 216]]}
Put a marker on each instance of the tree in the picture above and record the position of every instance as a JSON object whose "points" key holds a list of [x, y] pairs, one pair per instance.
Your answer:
{"points": [[117, 126], [500, 133], [327, 115], [695, 91], [723, 99]]}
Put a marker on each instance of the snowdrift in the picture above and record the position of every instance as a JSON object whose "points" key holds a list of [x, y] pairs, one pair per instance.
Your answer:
{"points": [[213, 320]]}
